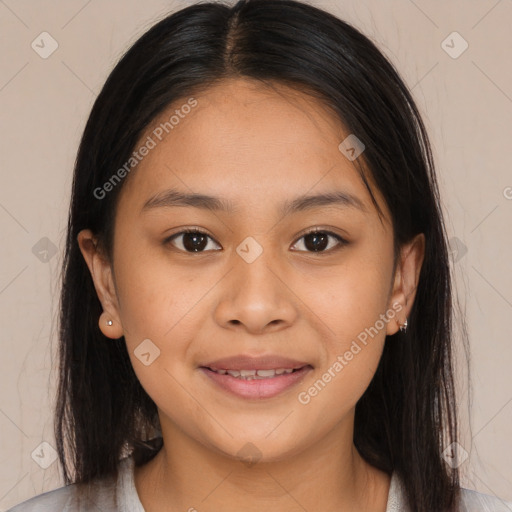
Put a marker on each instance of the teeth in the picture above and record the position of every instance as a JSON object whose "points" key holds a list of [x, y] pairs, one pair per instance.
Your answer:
{"points": [[247, 373], [254, 374], [266, 373]]}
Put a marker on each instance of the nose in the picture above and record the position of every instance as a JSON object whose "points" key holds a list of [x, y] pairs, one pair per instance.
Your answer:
{"points": [[255, 297]]}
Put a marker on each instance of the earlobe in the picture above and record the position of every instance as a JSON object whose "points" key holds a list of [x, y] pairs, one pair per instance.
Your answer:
{"points": [[109, 327], [101, 273]]}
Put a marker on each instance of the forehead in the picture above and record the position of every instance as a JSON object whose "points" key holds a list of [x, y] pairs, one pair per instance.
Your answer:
{"points": [[248, 143]]}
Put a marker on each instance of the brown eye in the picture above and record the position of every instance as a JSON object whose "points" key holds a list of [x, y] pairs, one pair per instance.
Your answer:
{"points": [[318, 241], [192, 240]]}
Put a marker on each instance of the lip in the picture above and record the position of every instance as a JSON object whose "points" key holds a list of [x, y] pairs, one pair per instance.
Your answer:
{"points": [[257, 389], [246, 362]]}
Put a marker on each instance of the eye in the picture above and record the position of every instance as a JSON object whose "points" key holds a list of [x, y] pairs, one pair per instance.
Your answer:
{"points": [[193, 240], [317, 240]]}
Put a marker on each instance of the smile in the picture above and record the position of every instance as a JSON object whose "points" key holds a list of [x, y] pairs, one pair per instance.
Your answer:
{"points": [[255, 384]]}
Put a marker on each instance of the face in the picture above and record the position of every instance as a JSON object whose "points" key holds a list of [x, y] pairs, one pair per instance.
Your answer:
{"points": [[311, 283]]}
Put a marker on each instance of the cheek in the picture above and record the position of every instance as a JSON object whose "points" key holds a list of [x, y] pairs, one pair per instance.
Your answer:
{"points": [[158, 317], [348, 298], [349, 359], [162, 310], [351, 304], [341, 383], [155, 298]]}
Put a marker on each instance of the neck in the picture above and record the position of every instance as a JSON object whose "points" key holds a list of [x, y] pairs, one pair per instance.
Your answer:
{"points": [[328, 475]]}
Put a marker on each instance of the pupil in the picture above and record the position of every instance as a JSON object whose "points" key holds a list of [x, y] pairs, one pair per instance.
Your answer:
{"points": [[194, 238], [322, 238]]}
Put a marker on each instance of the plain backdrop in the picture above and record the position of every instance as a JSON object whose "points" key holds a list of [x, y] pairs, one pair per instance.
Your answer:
{"points": [[464, 95]]}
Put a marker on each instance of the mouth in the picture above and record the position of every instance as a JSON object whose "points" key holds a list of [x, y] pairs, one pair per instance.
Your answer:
{"points": [[256, 384]]}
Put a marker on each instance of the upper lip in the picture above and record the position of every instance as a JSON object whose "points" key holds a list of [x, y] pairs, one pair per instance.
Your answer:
{"points": [[245, 362]]}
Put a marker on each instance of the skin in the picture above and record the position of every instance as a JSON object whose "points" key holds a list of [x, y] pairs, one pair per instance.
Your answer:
{"points": [[256, 147]]}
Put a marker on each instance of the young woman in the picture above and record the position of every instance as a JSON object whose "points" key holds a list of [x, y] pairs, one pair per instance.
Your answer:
{"points": [[256, 301]]}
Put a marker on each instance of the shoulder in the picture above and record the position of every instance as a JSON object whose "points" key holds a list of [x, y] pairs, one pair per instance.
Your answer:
{"points": [[97, 495], [473, 501], [57, 500]]}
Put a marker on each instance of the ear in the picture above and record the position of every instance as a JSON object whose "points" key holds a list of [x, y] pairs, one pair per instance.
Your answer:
{"points": [[406, 279], [101, 272]]}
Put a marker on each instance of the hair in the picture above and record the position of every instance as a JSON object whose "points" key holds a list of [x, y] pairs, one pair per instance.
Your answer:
{"points": [[407, 415]]}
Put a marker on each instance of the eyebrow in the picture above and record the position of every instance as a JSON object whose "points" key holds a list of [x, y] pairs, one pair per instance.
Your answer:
{"points": [[172, 198]]}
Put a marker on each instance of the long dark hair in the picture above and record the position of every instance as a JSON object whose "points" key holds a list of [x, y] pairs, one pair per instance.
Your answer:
{"points": [[407, 416]]}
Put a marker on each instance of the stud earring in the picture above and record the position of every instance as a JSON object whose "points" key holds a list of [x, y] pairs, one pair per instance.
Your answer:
{"points": [[403, 327], [109, 322]]}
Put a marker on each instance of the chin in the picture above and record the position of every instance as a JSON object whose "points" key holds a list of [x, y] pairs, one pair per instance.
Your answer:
{"points": [[251, 450]]}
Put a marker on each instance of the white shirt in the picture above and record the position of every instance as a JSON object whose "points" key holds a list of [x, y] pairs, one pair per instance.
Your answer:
{"points": [[104, 496]]}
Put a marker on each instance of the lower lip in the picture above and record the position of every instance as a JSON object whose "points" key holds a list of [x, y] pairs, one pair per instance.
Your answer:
{"points": [[257, 388]]}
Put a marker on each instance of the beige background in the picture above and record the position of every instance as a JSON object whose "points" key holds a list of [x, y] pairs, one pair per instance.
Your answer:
{"points": [[467, 106]]}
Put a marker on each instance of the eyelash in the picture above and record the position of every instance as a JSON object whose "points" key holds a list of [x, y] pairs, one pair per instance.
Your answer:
{"points": [[341, 241]]}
